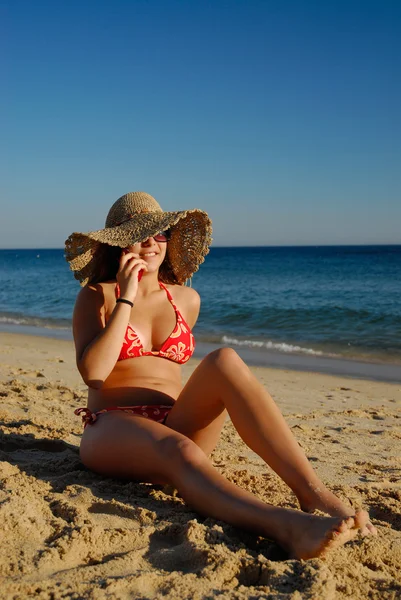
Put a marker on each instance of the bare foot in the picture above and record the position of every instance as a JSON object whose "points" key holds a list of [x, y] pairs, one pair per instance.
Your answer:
{"points": [[322, 499], [313, 536]]}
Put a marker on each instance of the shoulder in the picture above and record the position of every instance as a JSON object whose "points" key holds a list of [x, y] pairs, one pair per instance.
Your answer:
{"points": [[91, 312], [187, 301], [185, 295], [95, 295]]}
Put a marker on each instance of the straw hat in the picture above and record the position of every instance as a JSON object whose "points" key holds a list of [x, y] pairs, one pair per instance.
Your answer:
{"points": [[133, 218]]}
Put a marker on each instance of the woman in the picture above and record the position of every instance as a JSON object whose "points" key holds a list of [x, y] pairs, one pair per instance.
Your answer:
{"points": [[132, 334]]}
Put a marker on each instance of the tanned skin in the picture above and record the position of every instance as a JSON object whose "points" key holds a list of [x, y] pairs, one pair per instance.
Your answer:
{"points": [[125, 445]]}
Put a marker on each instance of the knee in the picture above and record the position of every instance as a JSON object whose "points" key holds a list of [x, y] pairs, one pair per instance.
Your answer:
{"points": [[226, 358], [178, 451]]}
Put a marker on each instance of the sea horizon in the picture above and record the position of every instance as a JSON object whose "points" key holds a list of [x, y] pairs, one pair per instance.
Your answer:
{"points": [[326, 302], [239, 246]]}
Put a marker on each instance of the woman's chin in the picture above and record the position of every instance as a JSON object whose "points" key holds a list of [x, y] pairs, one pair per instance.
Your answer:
{"points": [[151, 269]]}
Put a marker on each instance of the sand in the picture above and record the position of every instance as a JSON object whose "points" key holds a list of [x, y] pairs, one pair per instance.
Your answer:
{"points": [[68, 533]]}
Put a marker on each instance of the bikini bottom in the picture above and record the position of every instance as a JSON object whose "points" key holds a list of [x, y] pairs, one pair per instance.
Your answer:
{"points": [[155, 412]]}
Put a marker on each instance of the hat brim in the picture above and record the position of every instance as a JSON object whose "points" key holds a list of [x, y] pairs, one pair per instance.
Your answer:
{"points": [[189, 244]]}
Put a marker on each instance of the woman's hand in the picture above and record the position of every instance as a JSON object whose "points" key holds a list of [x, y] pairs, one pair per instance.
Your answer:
{"points": [[127, 274]]}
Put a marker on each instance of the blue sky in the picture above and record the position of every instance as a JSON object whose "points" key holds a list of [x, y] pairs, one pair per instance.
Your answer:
{"points": [[280, 118]]}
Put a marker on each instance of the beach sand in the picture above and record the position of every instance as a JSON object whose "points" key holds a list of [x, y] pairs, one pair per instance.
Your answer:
{"points": [[68, 533]]}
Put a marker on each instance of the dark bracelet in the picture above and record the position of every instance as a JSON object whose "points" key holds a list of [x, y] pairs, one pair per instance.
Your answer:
{"points": [[125, 302]]}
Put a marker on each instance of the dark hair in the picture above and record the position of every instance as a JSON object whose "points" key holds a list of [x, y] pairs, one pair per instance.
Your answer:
{"points": [[106, 262]]}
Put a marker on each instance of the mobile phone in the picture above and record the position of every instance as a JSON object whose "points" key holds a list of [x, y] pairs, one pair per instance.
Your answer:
{"points": [[140, 274]]}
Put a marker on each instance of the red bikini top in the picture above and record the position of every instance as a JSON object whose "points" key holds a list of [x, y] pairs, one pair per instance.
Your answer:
{"points": [[178, 347]]}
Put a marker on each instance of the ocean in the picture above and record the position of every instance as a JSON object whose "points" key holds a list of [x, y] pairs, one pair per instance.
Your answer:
{"points": [[340, 302]]}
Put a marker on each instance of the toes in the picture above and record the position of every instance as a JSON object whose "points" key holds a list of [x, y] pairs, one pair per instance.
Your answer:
{"points": [[340, 528], [372, 529], [346, 524], [369, 529], [361, 519]]}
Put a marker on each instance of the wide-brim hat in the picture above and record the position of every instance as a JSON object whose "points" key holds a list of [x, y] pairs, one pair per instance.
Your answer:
{"points": [[133, 218]]}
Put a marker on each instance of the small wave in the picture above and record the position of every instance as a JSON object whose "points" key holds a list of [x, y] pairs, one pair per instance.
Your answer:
{"points": [[14, 321], [282, 346], [32, 321]]}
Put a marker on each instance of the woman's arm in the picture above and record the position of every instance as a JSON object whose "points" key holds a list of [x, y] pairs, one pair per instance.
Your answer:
{"points": [[98, 344]]}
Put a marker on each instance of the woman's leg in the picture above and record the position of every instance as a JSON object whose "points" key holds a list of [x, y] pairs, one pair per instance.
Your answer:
{"points": [[119, 444], [223, 381]]}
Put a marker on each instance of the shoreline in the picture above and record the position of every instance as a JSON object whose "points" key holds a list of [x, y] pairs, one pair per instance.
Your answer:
{"points": [[341, 367]]}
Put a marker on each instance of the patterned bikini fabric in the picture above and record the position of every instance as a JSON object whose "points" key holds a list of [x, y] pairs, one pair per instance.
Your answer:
{"points": [[178, 347], [155, 412]]}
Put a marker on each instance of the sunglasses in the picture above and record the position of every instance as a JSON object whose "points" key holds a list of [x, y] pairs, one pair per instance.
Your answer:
{"points": [[162, 236]]}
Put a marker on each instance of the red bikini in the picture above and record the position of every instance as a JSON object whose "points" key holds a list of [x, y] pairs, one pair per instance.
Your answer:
{"points": [[178, 348]]}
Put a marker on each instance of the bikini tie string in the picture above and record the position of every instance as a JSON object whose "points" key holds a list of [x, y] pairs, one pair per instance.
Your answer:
{"points": [[88, 417]]}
